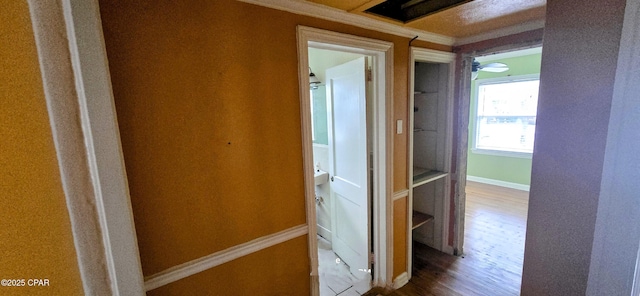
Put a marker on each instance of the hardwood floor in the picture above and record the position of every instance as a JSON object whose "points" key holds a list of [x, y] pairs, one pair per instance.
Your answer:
{"points": [[495, 224]]}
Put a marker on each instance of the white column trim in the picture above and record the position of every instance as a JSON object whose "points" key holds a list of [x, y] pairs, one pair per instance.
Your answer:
{"points": [[218, 258], [102, 138], [77, 89]]}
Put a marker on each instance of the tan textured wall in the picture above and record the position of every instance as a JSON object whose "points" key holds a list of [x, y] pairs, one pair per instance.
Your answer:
{"points": [[207, 100], [35, 232]]}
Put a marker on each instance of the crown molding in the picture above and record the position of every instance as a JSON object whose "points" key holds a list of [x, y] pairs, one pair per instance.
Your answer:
{"points": [[337, 15], [524, 27]]}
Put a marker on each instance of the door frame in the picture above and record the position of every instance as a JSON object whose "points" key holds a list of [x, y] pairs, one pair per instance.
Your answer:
{"points": [[382, 98], [462, 104], [431, 56]]}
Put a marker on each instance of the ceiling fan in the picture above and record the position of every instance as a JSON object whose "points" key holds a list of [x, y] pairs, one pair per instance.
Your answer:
{"points": [[491, 67]]}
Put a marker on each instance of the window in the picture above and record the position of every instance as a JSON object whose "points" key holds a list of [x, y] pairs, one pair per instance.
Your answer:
{"points": [[506, 115]]}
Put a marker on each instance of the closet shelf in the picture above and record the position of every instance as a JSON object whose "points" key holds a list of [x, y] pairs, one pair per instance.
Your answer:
{"points": [[422, 176], [420, 219]]}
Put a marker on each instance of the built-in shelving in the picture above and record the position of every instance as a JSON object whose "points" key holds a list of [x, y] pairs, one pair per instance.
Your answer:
{"points": [[420, 219], [429, 154], [422, 176]]}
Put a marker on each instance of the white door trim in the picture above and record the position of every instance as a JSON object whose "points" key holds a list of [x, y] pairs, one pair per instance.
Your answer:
{"points": [[433, 56], [382, 53], [81, 109]]}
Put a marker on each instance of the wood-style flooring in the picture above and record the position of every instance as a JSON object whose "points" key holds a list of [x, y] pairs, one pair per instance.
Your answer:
{"points": [[495, 224]]}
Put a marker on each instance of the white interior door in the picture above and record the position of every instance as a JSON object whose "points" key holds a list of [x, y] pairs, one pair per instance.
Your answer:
{"points": [[346, 103]]}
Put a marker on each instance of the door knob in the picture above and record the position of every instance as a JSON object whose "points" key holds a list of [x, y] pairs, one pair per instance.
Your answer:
{"points": [[331, 178]]}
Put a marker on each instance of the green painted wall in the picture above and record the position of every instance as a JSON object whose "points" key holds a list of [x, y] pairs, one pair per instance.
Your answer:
{"points": [[501, 168]]}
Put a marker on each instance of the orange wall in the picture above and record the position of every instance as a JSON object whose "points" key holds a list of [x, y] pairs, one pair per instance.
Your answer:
{"points": [[399, 236], [272, 271], [35, 232], [207, 100]]}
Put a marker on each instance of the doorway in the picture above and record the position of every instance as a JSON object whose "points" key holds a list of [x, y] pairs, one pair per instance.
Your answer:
{"points": [[377, 164], [502, 118], [340, 106]]}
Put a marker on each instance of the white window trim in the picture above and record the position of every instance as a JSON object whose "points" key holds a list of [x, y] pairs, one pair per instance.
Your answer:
{"points": [[474, 131], [506, 153]]}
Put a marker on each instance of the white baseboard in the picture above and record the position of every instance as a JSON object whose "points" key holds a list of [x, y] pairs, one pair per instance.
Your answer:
{"points": [[500, 183], [324, 232], [401, 280]]}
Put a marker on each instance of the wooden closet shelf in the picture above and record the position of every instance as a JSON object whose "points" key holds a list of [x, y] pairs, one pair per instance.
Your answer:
{"points": [[423, 176], [419, 218]]}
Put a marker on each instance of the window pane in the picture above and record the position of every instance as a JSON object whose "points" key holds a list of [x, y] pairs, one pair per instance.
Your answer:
{"points": [[506, 117]]}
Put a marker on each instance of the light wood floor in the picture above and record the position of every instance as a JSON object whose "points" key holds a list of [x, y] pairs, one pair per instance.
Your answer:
{"points": [[493, 249]]}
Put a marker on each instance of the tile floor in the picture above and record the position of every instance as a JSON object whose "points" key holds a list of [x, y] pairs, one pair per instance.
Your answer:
{"points": [[335, 277]]}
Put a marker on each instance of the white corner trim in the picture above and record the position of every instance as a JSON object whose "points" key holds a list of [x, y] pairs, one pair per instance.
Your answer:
{"points": [[77, 89], [102, 140], [400, 194], [201, 264], [500, 183], [64, 115], [336, 15], [520, 28], [401, 280]]}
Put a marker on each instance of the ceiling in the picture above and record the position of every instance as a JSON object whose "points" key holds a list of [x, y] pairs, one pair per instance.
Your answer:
{"points": [[473, 18]]}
